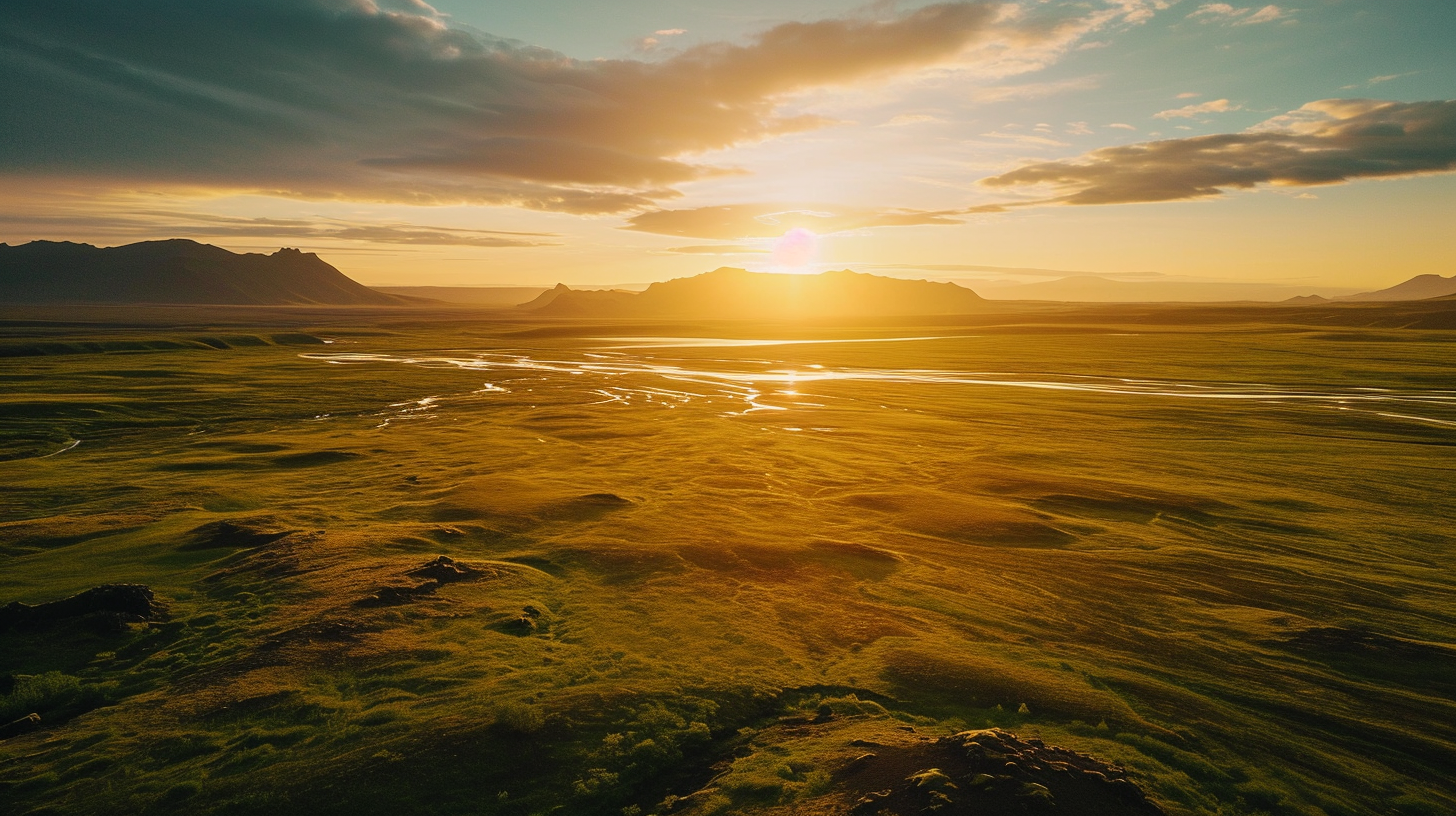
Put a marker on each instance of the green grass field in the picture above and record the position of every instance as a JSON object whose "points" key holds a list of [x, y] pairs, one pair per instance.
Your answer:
{"points": [[1219, 555]]}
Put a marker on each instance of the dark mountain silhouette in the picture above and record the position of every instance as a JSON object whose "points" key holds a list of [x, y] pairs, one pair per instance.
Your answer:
{"points": [[1418, 288], [175, 271], [737, 294]]}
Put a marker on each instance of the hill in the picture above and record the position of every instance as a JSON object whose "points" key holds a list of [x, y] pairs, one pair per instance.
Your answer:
{"points": [[174, 271], [1418, 288], [737, 294]]}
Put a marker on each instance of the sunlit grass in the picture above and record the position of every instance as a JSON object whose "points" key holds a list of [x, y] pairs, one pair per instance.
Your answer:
{"points": [[1247, 602]]}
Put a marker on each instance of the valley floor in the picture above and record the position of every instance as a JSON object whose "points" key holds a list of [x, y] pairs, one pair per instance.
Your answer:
{"points": [[456, 562]]}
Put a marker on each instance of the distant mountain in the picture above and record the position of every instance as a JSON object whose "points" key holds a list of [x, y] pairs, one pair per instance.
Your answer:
{"points": [[1306, 300], [1418, 288], [737, 294], [1097, 289], [502, 297], [495, 297], [175, 271]]}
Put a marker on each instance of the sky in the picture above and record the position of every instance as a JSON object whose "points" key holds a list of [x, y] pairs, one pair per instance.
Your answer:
{"points": [[492, 143]]}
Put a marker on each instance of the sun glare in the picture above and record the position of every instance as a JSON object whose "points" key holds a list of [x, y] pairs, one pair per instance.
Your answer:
{"points": [[796, 251]]}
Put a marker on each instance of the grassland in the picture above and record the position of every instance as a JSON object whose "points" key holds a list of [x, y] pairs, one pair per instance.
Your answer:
{"points": [[1218, 554]]}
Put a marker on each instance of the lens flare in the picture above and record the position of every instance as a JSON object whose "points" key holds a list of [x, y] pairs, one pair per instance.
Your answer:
{"points": [[796, 249]]}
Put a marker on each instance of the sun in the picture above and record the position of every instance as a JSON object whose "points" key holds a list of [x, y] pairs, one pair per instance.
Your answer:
{"points": [[796, 251]]}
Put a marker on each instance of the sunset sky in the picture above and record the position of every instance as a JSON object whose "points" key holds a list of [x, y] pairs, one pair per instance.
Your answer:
{"points": [[478, 143]]}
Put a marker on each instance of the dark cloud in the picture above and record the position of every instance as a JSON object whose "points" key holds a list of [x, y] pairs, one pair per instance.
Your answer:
{"points": [[147, 224], [737, 221], [345, 99], [1324, 142]]}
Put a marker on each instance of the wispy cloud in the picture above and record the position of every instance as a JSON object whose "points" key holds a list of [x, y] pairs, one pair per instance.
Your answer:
{"points": [[1025, 138], [1223, 12], [1267, 14], [651, 43], [912, 119], [1373, 81], [717, 249], [741, 221], [1324, 142], [1033, 90], [1191, 111], [142, 224]]}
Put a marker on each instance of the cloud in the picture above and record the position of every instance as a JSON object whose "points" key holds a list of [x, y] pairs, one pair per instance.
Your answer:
{"points": [[336, 99], [144, 224], [1190, 111], [1264, 15], [911, 119], [1223, 12], [1189, 95], [717, 249], [1324, 142], [1025, 139], [650, 43], [1034, 90], [1372, 81], [1122, 126], [1140, 11], [1217, 11], [740, 221]]}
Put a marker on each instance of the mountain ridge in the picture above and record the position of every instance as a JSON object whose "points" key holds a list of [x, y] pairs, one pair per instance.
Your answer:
{"points": [[175, 271], [733, 293], [1421, 287]]}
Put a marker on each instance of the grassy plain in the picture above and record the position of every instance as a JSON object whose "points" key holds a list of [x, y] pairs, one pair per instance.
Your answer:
{"points": [[1215, 550]]}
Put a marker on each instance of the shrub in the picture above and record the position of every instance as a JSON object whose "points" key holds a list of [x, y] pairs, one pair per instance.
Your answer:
{"points": [[54, 696]]}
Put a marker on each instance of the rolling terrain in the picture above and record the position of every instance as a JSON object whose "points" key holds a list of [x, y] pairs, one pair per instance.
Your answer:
{"points": [[436, 561]]}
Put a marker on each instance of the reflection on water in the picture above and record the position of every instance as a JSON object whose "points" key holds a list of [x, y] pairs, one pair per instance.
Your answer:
{"points": [[722, 342], [763, 385]]}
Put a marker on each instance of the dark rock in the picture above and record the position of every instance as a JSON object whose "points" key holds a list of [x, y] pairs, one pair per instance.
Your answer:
{"points": [[398, 596], [445, 570], [991, 771], [109, 606]]}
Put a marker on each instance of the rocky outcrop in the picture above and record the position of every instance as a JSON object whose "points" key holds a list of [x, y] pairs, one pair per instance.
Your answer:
{"points": [[109, 606], [991, 771]]}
